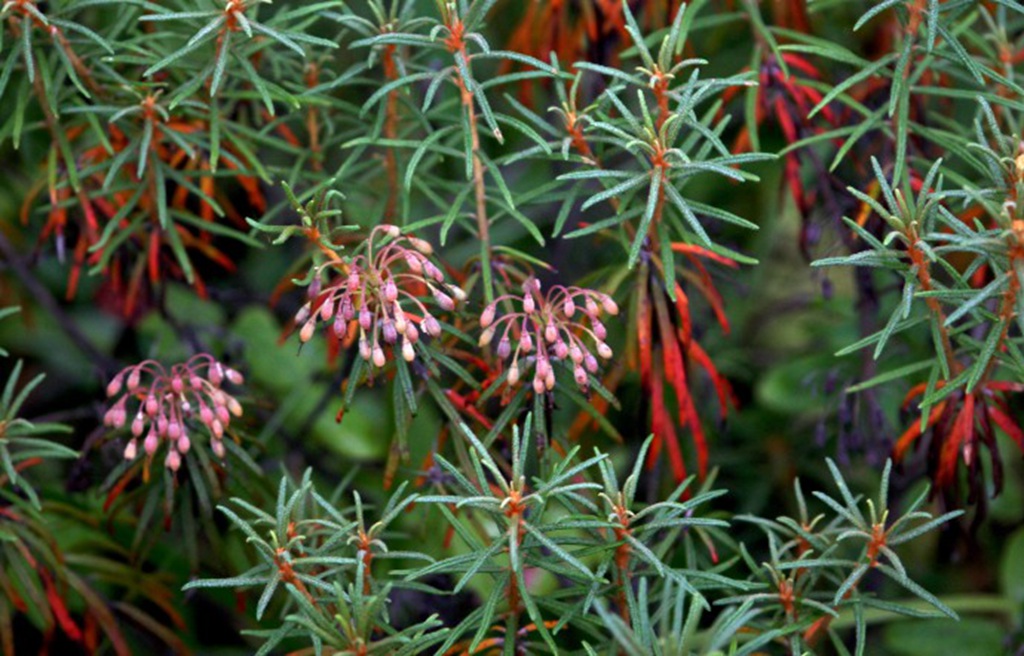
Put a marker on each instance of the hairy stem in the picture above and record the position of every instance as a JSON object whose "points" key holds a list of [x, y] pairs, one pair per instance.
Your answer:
{"points": [[480, 194], [391, 133]]}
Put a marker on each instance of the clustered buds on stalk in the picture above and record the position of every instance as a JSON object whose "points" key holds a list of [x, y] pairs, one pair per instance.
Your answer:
{"points": [[164, 406], [554, 327], [377, 293]]}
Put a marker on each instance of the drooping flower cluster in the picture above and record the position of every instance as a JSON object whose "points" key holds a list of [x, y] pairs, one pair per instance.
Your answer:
{"points": [[549, 327], [378, 296], [166, 405]]}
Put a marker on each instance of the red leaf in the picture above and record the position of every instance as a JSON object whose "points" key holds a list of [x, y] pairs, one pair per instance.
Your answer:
{"points": [[664, 431], [963, 429], [60, 611], [683, 310], [785, 120], [462, 405], [1009, 426], [691, 249], [153, 256], [118, 488], [675, 373], [914, 432], [722, 386], [644, 335]]}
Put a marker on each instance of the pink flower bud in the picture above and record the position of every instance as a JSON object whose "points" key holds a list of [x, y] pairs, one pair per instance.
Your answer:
{"points": [[456, 292], [306, 333], [223, 416], [421, 245], [488, 315], [205, 414], [538, 385], [217, 446], [340, 326], [525, 343], [378, 356], [173, 460], [138, 425], [513, 374], [120, 416], [413, 262], [590, 362], [174, 430], [432, 271], [134, 378], [504, 347], [609, 305], [216, 374], [486, 337], [115, 384], [162, 424], [408, 353], [412, 333], [543, 367], [400, 320], [389, 331], [549, 380], [528, 303], [131, 450], [177, 384], [195, 382], [353, 281], [217, 428], [364, 349], [184, 444], [599, 330], [234, 376], [444, 301], [551, 333], [390, 230], [592, 308], [151, 442], [604, 350], [561, 350], [234, 407], [580, 375], [569, 307], [432, 326], [326, 310], [152, 405], [302, 314], [390, 291], [348, 311], [365, 318], [575, 353]]}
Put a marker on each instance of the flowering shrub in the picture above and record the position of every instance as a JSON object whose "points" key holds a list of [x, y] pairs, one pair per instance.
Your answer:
{"points": [[550, 321], [172, 403], [480, 327], [368, 300]]}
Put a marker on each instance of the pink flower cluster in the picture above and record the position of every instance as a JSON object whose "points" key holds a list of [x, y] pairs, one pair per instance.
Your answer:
{"points": [[165, 405], [379, 290], [549, 328]]}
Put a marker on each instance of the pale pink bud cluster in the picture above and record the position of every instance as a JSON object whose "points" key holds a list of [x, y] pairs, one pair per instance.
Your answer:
{"points": [[162, 406], [562, 325], [380, 292]]}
